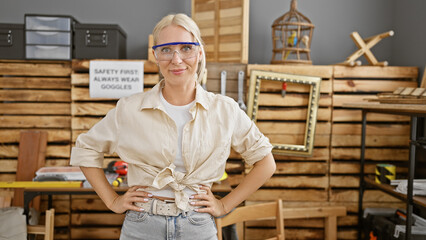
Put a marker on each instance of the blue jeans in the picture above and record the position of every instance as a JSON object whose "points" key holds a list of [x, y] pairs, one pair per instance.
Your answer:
{"points": [[189, 225]]}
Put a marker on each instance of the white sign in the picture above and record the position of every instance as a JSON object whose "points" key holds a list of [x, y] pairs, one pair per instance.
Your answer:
{"points": [[115, 79]]}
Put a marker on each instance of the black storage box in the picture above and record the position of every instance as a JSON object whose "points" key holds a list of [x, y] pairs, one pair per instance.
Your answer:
{"points": [[11, 41], [389, 224], [106, 41]]}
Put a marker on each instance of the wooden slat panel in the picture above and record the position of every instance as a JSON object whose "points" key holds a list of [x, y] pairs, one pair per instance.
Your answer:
{"points": [[80, 109], [376, 154], [35, 95], [319, 154], [370, 85], [320, 140], [97, 219], [95, 233], [291, 128], [352, 196], [297, 182], [338, 100], [370, 141], [375, 72], [371, 129], [35, 121], [301, 168], [35, 108], [34, 68], [56, 151], [82, 123], [344, 115], [34, 82], [53, 135], [298, 114]]}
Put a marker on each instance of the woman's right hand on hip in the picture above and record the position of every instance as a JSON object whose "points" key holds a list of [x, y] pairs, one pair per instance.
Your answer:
{"points": [[125, 202]]}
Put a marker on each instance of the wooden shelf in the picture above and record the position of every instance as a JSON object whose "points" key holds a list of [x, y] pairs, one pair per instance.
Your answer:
{"points": [[418, 200]]}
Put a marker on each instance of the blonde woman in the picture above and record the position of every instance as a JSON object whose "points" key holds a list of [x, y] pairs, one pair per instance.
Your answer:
{"points": [[176, 139]]}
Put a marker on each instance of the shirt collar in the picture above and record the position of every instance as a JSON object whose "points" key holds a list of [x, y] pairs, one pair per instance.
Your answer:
{"points": [[152, 98]]}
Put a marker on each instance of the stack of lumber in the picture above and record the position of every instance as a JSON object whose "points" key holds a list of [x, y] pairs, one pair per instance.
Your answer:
{"points": [[403, 95]]}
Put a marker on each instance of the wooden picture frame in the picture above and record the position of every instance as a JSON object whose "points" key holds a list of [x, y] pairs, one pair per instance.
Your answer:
{"points": [[256, 77]]}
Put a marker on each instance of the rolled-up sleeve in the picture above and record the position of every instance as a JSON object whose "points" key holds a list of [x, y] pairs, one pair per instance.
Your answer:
{"points": [[102, 138], [248, 140]]}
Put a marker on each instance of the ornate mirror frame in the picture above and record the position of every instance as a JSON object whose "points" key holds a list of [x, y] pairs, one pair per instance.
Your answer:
{"points": [[256, 78]]}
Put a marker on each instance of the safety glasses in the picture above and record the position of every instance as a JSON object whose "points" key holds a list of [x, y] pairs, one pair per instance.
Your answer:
{"points": [[165, 52]]}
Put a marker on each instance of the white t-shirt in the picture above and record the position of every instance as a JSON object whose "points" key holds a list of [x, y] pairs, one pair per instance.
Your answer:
{"points": [[180, 115]]}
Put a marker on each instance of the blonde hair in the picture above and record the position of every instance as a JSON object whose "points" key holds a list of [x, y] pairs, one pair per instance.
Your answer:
{"points": [[189, 25]]}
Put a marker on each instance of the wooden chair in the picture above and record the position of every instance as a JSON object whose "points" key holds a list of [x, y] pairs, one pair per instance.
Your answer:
{"points": [[47, 228], [253, 212]]}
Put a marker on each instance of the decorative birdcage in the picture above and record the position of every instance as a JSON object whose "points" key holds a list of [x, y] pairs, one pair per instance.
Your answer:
{"points": [[292, 38]]}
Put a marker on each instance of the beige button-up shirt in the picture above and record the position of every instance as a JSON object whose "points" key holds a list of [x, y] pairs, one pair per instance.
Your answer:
{"points": [[139, 130]]}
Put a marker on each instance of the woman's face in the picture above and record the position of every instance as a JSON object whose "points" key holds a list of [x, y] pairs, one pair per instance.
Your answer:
{"points": [[177, 70]]}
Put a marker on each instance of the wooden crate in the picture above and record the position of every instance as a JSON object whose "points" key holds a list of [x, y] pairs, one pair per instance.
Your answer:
{"points": [[224, 28], [387, 135]]}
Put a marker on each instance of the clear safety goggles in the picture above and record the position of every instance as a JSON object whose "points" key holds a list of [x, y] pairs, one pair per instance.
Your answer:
{"points": [[165, 52]]}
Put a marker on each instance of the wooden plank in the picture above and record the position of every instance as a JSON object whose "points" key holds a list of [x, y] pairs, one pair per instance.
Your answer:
{"points": [[31, 157], [339, 100], [370, 85], [35, 108], [88, 108], [390, 129], [95, 233], [376, 154], [351, 168], [88, 205], [291, 127], [83, 94], [265, 233], [301, 168], [28, 68], [370, 141], [82, 79], [344, 115], [369, 196], [84, 123], [344, 181], [35, 121], [61, 151], [79, 65], [291, 99], [35, 82], [297, 182], [375, 72], [53, 135], [97, 219], [315, 71], [289, 195], [292, 114], [319, 154], [320, 140], [35, 95]]}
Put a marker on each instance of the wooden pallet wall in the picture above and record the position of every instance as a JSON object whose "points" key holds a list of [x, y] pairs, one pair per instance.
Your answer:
{"points": [[90, 218], [386, 140], [299, 181], [34, 95]]}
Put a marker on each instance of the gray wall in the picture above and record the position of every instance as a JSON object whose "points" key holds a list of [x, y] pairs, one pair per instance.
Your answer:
{"points": [[334, 21]]}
